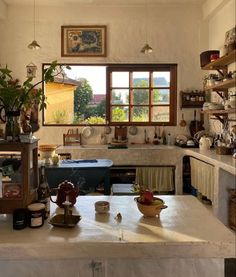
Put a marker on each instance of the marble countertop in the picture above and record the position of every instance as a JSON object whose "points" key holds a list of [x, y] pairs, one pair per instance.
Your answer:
{"points": [[181, 231], [153, 154], [226, 162], [129, 146]]}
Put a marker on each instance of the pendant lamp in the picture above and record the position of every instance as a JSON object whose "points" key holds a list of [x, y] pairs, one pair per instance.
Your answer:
{"points": [[146, 49], [34, 44]]}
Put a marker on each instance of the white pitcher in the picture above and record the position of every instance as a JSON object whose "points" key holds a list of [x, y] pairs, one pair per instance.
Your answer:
{"points": [[205, 143]]}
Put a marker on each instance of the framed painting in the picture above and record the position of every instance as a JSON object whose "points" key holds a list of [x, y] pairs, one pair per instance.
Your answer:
{"points": [[83, 41]]}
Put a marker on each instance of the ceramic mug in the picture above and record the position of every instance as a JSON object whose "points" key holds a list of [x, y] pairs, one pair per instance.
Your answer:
{"points": [[102, 206]]}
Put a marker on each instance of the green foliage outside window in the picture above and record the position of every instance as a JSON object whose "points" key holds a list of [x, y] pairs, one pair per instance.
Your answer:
{"points": [[82, 96], [60, 116]]}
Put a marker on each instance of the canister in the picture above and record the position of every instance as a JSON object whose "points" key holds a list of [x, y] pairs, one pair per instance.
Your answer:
{"points": [[19, 219], [36, 215]]}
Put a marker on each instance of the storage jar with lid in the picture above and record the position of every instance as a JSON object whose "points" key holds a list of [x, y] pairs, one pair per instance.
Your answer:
{"points": [[36, 215]]}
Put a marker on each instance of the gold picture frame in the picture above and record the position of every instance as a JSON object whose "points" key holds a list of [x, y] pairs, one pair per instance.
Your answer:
{"points": [[83, 41]]}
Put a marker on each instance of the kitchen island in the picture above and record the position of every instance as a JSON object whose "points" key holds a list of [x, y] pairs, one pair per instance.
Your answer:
{"points": [[187, 240]]}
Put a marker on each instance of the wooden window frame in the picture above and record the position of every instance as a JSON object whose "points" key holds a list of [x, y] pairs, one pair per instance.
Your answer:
{"points": [[172, 68], [130, 67]]}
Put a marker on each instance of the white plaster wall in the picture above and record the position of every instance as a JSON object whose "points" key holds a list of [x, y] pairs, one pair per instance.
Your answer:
{"points": [[174, 33], [3, 9], [221, 22]]}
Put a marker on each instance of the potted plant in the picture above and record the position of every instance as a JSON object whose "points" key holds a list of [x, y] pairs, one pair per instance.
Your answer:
{"points": [[16, 97]]}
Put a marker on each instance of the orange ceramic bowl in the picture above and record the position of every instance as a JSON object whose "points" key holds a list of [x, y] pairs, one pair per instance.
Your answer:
{"points": [[47, 147], [153, 209]]}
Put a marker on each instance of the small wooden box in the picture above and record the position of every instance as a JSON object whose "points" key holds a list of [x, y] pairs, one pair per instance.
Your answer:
{"points": [[222, 150], [205, 57]]}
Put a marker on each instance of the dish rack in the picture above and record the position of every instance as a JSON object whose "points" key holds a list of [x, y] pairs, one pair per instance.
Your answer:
{"points": [[72, 138]]}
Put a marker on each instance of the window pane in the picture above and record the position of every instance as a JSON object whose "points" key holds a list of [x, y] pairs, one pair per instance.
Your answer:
{"points": [[141, 97], [161, 79], [120, 114], [161, 96], [141, 79], [160, 114], [120, 79], [78, 98], [140, 114], [120, 96]]}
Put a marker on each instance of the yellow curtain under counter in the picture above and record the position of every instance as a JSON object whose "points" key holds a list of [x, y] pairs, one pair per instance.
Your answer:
{"points": [[160, 179], [202, 177]]}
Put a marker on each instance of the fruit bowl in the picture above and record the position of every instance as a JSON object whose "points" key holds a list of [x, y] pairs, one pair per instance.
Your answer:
{"points": [[151, 209]]}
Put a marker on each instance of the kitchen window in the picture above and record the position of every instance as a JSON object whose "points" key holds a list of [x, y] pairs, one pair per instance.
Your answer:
{"points": [[141, 94], [117, 94]]}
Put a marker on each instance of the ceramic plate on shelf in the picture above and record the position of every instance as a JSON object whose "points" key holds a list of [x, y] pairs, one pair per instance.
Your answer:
{"points": [[87, 132], [133, 130]]}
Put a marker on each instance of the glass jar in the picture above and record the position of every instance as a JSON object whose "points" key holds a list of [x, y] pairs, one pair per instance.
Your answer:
{"points": [[12, 128], [36, 215]]}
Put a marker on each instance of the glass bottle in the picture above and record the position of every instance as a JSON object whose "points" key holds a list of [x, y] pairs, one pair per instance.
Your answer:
{"points": [[43, 192], [16, 127]]}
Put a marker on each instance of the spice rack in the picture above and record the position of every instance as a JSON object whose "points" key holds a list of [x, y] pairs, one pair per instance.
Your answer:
{"points": [[18, 188], [192, 99]]}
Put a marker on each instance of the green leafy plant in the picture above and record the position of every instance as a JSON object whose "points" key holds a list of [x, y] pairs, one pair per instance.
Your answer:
{"points": [[15, 96], [95, 120]]}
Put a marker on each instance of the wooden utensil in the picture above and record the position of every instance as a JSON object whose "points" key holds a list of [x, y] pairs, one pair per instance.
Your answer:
{"points": [[182, 122]]}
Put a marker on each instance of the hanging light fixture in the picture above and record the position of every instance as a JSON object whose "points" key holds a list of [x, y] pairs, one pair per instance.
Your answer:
{"points": [[146, 49], [34, 44]]}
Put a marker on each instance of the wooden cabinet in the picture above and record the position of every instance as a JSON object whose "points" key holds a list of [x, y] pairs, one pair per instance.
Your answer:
{"points": [[221, 88], [19, 175]]}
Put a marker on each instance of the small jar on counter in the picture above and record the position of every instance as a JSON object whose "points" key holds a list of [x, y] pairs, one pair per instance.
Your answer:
{"points": [[36, 215], [19, 219]]}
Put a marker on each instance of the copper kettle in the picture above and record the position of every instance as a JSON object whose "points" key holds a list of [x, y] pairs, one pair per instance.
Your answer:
{"points": [[64, 189]]}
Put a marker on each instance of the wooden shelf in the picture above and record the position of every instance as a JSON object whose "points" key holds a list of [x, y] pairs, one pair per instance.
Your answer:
{"points": [[221, 62], [223, 85], [192, 99], [219, 112], [220, 115], [221, 65]]}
